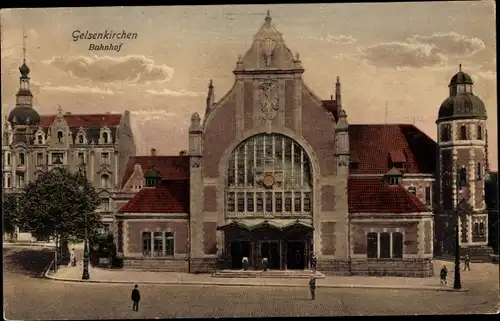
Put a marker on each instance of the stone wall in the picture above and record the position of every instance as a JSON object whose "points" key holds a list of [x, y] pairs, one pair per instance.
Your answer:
{"points": [[152, 264], [204, 265], [378, 267]]}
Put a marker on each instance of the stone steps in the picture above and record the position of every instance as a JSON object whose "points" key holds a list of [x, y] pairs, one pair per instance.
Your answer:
{"points": [[270, 274]]}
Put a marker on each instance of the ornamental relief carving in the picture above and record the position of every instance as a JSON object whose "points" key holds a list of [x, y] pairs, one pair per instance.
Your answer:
{"points": [[268, 45], [269, 98]]}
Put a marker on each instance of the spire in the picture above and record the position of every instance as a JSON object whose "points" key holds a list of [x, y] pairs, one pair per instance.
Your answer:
{"points": [[24, 45], [210, 97], [268, 17], [338, 96], [24, 97]]}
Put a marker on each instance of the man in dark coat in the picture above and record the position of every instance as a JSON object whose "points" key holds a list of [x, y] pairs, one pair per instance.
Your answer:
{"points": [[312, 286], [136, 297], [443, 274]]}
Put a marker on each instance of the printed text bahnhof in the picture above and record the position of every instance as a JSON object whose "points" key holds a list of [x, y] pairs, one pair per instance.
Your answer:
{"points": [[106, 35]]}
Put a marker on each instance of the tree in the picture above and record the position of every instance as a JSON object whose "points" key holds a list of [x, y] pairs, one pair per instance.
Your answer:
{"points": [[56, 202], [10, 213]]}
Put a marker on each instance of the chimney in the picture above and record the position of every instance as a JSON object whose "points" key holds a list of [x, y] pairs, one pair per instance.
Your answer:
{"points": [[153, 151], [182, 153]]}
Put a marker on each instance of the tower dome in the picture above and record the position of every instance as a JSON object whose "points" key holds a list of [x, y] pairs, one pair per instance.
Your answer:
{"points": [[24, 113], [462, 103]]}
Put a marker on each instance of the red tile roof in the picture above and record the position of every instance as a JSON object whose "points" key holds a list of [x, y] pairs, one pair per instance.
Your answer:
{"points": [[371, 147], [331, 106], [168, 197], [374, 195], [169, 167], [84, 120]]}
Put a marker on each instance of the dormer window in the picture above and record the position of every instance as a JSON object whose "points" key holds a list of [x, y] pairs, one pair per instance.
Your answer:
{"points": [[393, 177], [105, 138], [60, 137], [39, 139], [152, 178], [21, 159], [397, 159], [81, 140]]}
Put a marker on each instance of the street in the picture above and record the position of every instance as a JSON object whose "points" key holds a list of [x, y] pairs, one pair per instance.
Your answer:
{"points": [[28, 296]]}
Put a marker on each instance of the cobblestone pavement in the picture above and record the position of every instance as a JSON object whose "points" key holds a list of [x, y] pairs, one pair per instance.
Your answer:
{"points": [[62, 300]]}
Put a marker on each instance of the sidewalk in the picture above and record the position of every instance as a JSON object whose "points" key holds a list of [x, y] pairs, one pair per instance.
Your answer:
{"points": [[27, 244], [98, 275]]}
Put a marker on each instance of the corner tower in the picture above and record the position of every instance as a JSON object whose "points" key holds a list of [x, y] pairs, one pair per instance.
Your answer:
{"points": [[462, 160]]}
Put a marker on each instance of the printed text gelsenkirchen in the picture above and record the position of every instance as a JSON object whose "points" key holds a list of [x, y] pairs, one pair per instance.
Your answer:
{"points": [[106, 35]]}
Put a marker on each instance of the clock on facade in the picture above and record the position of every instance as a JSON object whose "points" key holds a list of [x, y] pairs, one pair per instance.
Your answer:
{"points": [[268, 180]]}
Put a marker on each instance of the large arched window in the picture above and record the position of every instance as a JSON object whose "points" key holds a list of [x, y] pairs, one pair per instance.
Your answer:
{"points": [[269, 174]]}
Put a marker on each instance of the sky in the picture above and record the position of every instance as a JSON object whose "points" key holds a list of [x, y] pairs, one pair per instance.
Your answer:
{"points": [[397, 57]]}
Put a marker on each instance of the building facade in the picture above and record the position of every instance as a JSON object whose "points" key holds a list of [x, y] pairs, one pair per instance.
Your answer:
{"points": [[273, 171], [33, 143]]}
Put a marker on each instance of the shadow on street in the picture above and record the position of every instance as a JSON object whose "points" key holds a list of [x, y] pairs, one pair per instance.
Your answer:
{"points": [[28, 262]]}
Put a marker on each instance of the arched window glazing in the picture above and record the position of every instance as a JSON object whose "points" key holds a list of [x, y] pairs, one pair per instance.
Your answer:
{"points": [[269, 174]]}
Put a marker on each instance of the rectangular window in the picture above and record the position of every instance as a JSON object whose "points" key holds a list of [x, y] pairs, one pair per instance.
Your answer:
{"points": [[105, 158], [288, 202], [259, 146], [385, 245], [146, 243], [230, 202], [230, 174], [463, 132], [20, 179], [169, 244], [8, 181], [157, 244], [427, 195], [105, 204], [397, 245], [269, 202], [279, 202], [57, 158], [298, 203], [240, 179], [307, 202], [372, 245], [81, 158], [21, 159], [250, 202], [39, 158], [260, 202], [241, 202], [8, 159]]}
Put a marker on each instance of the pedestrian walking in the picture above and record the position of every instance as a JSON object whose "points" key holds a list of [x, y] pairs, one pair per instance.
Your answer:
{"points": [[312, 286], [443, 274], [467, 262], [136, 297]]}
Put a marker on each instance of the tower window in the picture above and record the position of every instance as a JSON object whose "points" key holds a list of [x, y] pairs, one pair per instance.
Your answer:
{"points": [[21, 159], [463, 132], [479, 132], [462, 177], [479, 172], [59, 136]]}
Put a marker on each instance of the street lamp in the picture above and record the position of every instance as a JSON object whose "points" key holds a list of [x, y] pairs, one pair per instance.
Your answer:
{"points": [[83, 188]]}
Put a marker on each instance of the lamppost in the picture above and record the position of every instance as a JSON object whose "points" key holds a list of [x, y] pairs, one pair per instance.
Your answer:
{"points": [[457, 284], [83, 188]]}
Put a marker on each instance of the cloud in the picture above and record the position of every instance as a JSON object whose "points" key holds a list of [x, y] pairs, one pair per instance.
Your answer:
{"points": [[341, 39], [487, 75], [79, 90], [145, 115], [402, 55], [451, 44], [128, 69], [337, 39], [176, 93]]}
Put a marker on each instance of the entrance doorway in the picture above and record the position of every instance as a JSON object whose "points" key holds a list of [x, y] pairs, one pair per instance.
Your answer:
{"points": [[296, 258], [271, 250], [239, 249]]}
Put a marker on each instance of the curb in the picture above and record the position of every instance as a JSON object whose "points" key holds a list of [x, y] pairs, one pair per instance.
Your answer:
{"points": [[201, 283]]}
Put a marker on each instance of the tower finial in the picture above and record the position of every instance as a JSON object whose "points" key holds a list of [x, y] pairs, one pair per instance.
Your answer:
{"points": [[24, 44], [460, 67], [268, 16]]}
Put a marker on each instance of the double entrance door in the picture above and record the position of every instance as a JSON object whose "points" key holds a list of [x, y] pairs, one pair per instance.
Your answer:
{"points": [[280, 254]]}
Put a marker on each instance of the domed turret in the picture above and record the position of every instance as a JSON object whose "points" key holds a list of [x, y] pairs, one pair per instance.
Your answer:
{"points": [[23, 115], [462, 103], [24, 69]]}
